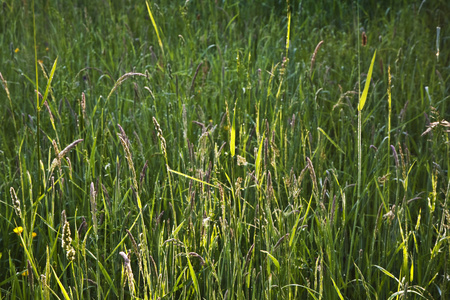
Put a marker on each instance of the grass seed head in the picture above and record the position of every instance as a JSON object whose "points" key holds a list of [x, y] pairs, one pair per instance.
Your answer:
{"points": [[128, 271], [16, 202], [66, 240]]}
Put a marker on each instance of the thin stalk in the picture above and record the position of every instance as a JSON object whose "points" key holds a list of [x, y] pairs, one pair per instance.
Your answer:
{"points": [[359, 152], [38, 108], [389, 130]]}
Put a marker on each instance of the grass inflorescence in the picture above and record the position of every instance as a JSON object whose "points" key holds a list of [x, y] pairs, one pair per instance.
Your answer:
{"points": [[224, 150]]}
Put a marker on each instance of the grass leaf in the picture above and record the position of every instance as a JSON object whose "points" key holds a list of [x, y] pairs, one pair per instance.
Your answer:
{"points": [[274, 260], [331, 141], [155, 27], [192, 273], [387, 273], [63, 290], [259, 158], [193, 178], [233, 133], [363, 98], [337, 289], [47, 88]]}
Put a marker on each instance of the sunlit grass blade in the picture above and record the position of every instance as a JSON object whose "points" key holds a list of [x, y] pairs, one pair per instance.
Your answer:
{"points": [[387, 273], [233, 133], [61, 286], [259, 157], [193, 276], [363, 99], [337, 289], [155, 26], [193, 178], [288, 31], [50, 78], [274, 260]]}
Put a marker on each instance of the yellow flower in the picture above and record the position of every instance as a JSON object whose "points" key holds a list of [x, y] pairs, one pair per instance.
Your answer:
{"points": [[46, 49], [17, 50], [34, 234], [18, 230], [25, 273], [40, 61]]}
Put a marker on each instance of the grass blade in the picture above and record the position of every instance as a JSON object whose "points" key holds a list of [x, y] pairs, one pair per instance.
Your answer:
{"points": [[259, 158], [331, 141], [156, 27], [387, 273], [233, 133], [50, 78], [363, 98], [193, 276], [337, 289], [274, 260], [192, 178], [63, 290]]}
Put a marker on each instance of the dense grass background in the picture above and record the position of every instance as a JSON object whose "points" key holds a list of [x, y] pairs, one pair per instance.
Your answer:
{"points": [[218, 163]]}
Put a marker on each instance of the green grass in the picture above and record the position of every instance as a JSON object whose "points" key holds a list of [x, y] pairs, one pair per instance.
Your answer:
{"points": [[220, 150]]}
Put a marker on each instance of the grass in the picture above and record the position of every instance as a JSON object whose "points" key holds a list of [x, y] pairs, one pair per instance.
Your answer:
{"points": [[220, 150]]}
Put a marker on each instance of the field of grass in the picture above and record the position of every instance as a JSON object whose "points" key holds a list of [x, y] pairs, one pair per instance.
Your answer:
{"points": [[224, 149]]}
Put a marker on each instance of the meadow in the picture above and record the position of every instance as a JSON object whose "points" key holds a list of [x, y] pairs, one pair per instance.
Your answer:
{"points": [[224, 149]]}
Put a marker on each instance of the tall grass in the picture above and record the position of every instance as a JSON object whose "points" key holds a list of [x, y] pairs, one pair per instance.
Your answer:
{"points": [[223, 150]]}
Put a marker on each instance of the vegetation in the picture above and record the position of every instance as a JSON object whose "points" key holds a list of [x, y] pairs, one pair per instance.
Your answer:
{"points": [[224, 149]]}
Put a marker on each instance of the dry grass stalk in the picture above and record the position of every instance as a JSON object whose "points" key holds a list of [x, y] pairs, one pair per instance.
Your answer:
{"points": [[160, 136], [57, 160], [126, 146], [312, 173], [128, 271], [122, 79], [133, 242], [5, 86], [363, 39], [92, 196], [433, 125], [395, 156], [193, 254], [144, 169], [313, 59], [83, 226], [30, 274], [195, 76], [333, 209], [284, 237], [83, 106]]}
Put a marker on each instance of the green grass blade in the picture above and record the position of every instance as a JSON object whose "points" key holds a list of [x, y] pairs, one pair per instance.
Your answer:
{"points": [[63, 290], [193, 178], [259, 158], [274, 260], [50, 78], [193, 276], [294, 230], [331, 141], [310, 291], [156, 27], [363, 98], [387, 273], [337, 289]]}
